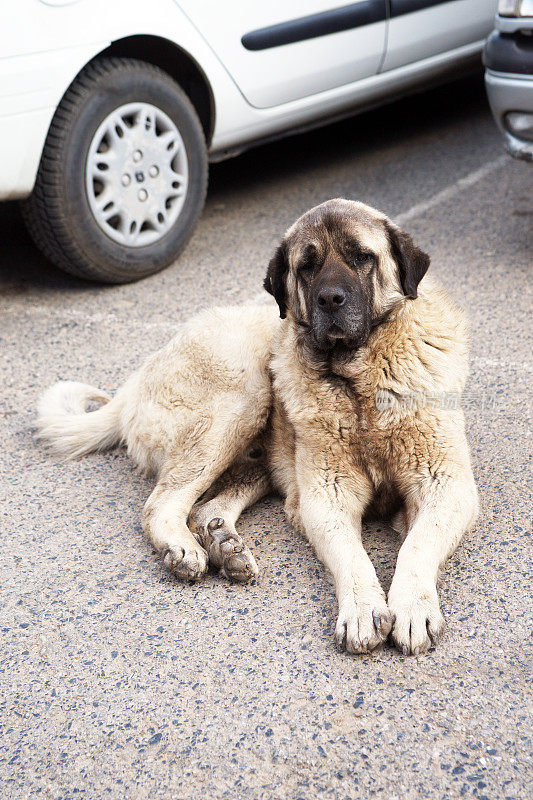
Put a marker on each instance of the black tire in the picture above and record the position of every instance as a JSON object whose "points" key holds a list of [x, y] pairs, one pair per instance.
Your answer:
{"points": [[57, 213]]}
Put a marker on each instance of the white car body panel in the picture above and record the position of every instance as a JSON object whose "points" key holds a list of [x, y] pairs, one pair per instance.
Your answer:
{"points": [[437, 29], [302, 113], [281, 74], [45, 43]]}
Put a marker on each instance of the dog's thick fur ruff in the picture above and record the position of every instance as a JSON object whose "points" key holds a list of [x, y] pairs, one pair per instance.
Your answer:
{"points": [[344, 411]]}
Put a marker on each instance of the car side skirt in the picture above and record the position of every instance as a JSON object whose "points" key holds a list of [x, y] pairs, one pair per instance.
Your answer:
{"points": [[321, 109]]}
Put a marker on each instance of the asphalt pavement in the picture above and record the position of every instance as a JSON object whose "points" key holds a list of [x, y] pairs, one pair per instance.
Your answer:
{"points": [[119, 682]]}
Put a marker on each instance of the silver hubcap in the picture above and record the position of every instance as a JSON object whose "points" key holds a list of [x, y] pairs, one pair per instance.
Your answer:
{"points": [[136, 174]]}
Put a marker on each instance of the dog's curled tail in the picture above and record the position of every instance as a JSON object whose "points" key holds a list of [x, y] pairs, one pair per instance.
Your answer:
{"points": [[68, 429]]}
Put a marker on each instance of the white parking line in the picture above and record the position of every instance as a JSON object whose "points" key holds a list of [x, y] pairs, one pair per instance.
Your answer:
{"points": [[451, 191]]}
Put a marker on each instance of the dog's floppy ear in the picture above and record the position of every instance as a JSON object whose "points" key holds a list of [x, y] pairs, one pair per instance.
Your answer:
{"points": [[275, 279], [412, 262]]}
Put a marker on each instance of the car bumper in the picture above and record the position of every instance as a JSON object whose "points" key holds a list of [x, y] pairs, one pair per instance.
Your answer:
{"points": [[511, 93], [509, 82]]}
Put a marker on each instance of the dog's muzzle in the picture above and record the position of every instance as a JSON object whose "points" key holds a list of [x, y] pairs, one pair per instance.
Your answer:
{"points": [[342, 324]]}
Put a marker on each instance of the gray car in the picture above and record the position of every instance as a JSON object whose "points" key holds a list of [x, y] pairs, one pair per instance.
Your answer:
{"points": [[508, 60]]}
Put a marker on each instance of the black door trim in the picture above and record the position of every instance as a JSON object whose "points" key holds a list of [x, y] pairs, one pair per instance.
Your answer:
{"points": [[345, 18], [400, 7], [297, 30]]}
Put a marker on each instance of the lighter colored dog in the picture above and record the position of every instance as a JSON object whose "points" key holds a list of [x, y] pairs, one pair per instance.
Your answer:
{"points": [[347, 406]]}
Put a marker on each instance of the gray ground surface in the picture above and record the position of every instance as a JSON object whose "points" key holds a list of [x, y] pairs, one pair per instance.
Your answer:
{"points": [[119, 682]]}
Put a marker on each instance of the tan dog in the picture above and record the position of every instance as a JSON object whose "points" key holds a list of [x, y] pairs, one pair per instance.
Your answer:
{"points": [[362, 416], [368, 370]]}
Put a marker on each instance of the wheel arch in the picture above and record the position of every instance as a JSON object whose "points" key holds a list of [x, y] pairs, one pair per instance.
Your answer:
{"points": [[177, 63]]}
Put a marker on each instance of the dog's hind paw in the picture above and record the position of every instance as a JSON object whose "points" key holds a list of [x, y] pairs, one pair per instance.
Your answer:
{"points": [[239, 565], [227, 552]]}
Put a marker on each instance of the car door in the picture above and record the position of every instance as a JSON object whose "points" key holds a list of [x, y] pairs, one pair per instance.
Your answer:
{"points": [[284, 50], [420, 29]]}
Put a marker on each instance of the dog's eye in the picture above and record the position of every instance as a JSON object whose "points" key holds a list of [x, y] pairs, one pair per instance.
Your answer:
{"points": [[364, 260], [306, 267], [308, 260]]}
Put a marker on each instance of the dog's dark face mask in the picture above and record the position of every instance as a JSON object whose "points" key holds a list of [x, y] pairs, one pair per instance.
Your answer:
{"points": [[340, 270], [338, 293]]}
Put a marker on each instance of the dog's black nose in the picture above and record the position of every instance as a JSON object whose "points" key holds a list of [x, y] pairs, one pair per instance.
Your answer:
{"points": [[330, 298]]}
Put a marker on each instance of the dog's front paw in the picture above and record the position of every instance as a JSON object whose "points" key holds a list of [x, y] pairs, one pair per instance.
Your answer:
{"points": [[418, 620], [363, 623], [187, 564]]}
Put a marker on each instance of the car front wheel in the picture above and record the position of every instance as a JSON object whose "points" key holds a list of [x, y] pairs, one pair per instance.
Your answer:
{"points": [[123, 174]]}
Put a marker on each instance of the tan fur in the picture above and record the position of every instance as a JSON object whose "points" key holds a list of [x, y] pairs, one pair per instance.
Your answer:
{"points": [[334, 453], [374, 429], [189, 414]]}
